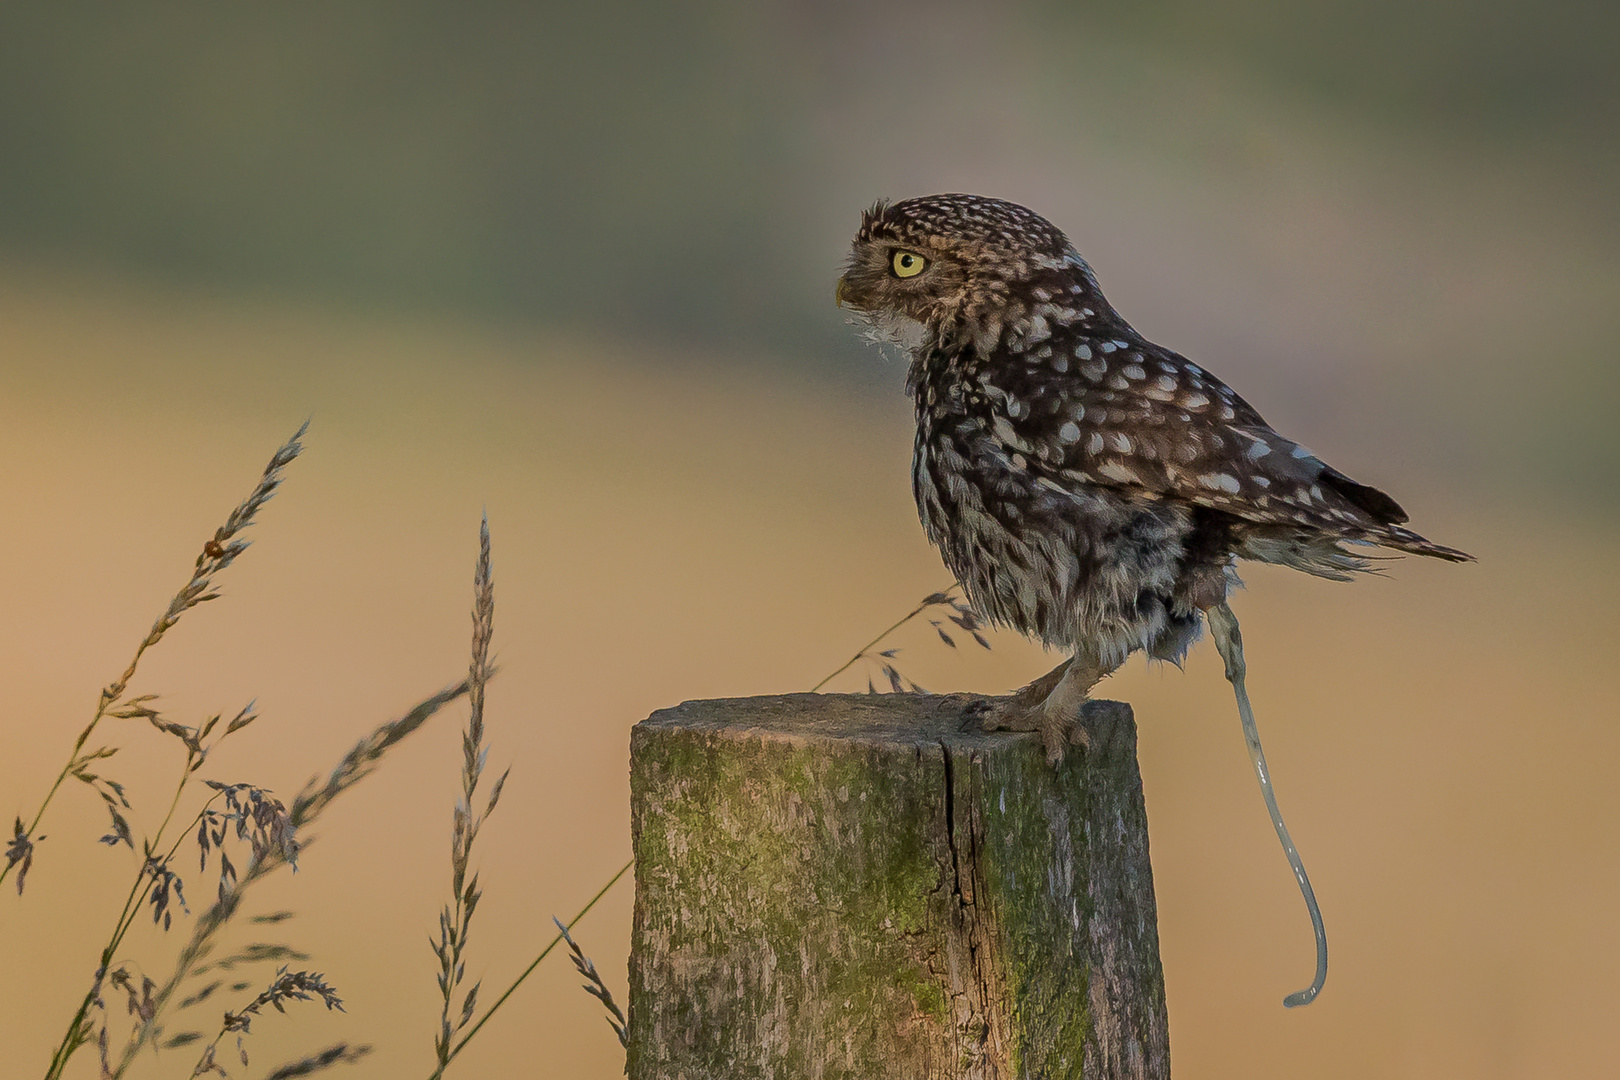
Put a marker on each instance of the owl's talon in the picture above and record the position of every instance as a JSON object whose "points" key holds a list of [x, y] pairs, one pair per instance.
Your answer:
{"points": [[1062, 731], [979, 716], [1004, 714], [1059, 727], [973, 710]]}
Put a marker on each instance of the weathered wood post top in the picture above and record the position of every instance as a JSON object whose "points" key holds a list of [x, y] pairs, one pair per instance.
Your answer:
{"points": [[841, 886]]}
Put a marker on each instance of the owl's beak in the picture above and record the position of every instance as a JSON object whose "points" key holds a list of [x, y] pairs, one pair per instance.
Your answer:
{"points": [[841, 292]]}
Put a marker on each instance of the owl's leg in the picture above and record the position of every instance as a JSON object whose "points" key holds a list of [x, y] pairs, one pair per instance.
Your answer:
{"points": [[1050, 705]]}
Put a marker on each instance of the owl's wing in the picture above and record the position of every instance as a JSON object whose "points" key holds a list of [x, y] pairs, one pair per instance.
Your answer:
{"points": [[1139, 418]]}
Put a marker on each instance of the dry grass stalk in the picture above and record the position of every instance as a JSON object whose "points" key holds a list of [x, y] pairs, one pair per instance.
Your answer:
{"points": [[956, 611], [595, 987], [20, 852], [545, 952], [359, 762], [949, 606], [268, 857], [286, 986], [240, 814], [158, 884], [218, 552], [245, 814], [455, 919], [337, 1054]]}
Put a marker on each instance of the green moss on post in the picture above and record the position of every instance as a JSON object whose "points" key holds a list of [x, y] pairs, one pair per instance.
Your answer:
{"points": [[843, 886]]}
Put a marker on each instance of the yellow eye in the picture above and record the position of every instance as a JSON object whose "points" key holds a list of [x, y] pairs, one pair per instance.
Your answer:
{"points": [[908, 264]]}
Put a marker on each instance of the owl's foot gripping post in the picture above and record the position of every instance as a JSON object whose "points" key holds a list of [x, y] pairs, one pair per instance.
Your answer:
{"points": [[1049, 705], [1223, 627]]}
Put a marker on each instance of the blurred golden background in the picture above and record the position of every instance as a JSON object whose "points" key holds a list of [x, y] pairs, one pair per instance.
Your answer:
{"points": [[573, 264]]}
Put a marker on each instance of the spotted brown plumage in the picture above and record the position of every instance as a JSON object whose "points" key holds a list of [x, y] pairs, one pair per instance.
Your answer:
{"points": [[1086, 486]]}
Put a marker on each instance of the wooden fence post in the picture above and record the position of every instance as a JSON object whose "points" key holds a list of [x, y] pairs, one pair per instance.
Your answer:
{"points": [[854, 886]]}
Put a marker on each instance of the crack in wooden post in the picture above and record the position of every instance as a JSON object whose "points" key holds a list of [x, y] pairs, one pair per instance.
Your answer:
{"points": [[842, 886]]}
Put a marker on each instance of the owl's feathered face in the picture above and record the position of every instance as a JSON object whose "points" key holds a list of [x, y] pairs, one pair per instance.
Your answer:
{"points": [[956, 263]]}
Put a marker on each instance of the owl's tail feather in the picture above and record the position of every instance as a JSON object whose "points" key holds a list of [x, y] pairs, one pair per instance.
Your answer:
{"points": [[1321, 554], [1400, 539]]}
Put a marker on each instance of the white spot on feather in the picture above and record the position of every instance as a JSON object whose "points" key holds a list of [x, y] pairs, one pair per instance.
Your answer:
{"points": [[1118, 471], [1004, 431], [1219, 482]]}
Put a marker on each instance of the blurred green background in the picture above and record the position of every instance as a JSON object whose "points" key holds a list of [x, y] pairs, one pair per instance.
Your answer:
{"points": [[687, 173], [574, 263]]}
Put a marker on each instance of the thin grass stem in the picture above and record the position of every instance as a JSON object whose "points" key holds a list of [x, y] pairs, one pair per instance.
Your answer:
{"points": [[126, 919], [484, 1019], [307, 808], [932, 600], [456, 917], [217, 554]]}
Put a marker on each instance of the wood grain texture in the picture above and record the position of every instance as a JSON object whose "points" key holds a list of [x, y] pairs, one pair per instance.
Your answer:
{"points": [[833, 886]]}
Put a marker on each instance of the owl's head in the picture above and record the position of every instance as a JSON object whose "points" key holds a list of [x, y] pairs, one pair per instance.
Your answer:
{"points": [[956, 261]]}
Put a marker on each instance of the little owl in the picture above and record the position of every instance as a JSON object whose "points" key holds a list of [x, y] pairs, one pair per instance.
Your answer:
{"points": [[1086, 486]]}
